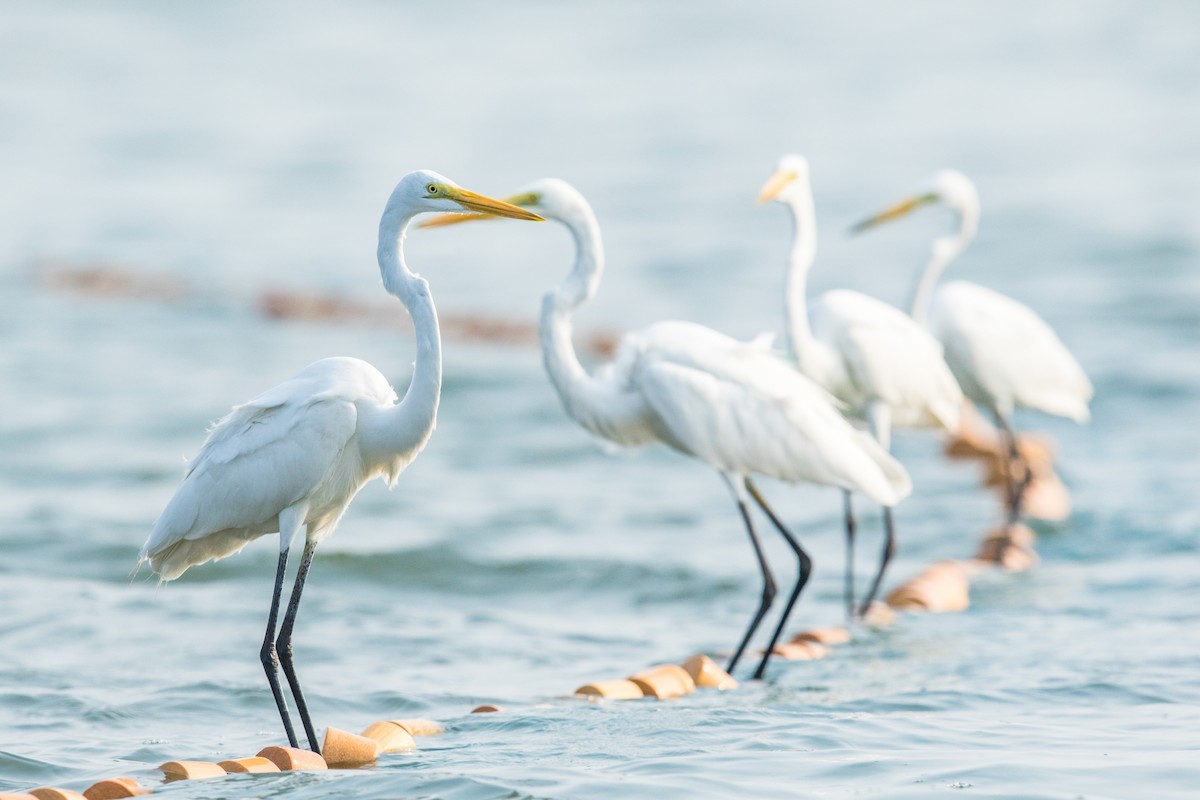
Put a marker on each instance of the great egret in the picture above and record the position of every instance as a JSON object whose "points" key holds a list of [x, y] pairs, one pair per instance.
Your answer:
{"points": [[294, 457], [886, 368], [730, 404], [1003, 354]]}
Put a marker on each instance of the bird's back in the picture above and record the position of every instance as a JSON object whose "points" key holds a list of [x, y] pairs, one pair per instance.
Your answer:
{"points": [[886, 357], [743, 410], [1004, 355], [294, 442]]}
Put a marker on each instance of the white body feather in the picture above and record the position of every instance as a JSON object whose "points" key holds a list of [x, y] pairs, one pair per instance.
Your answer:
{"points": [[882, 356], [295, 443], [1004, 355], [741, 409]]}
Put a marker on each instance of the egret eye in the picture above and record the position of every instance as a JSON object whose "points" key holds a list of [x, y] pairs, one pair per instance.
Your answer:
{"points": [[432, 188]]}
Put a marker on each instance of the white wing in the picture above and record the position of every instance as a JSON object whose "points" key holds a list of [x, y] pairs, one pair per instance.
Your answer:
{"points": [[1004, 355], [291, 443], [742, 410], [886, 356]]}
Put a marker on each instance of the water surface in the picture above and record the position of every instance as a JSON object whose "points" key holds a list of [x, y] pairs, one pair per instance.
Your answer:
{"points": [[222, 151]]}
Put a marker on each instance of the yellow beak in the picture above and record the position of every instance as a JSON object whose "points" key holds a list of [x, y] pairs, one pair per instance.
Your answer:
{"points": [[483, 207], [442, 220], [903, 208], [776, 184]]}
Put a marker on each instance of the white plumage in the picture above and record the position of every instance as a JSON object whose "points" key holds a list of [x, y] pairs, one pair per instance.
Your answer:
{"points": [[1002, 353], [742, 410], [885, 367], [882, 356], [293, 458], [295, 443]]}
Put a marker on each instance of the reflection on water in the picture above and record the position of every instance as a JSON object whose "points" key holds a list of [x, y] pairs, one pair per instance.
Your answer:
{"points": [[223, 159]]}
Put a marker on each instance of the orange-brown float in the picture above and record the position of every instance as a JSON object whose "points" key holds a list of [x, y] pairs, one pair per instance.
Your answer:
{"points": [[664, 681], [390, 736], [292, 758]]}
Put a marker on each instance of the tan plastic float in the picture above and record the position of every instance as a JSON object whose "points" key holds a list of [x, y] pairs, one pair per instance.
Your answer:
{"points": [[251, 764], [292, 758], [826, 636], [190, 770], [1019, 559], [420, 727], [1046, 497], [977, 438], [345, 749], [705, 672], [114, 788], [616, 689], [878, 615], [996, 472], [1036, 451], [392, 737], [17, 796], [1010, 547], [54, 793], [486, 708], [665, 681], [942, 587], [803, 650]]}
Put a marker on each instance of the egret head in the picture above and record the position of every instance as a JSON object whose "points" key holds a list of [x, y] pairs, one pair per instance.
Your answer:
{"points": [[425, 190], [790, 179], [948, 187], [955, 190]]}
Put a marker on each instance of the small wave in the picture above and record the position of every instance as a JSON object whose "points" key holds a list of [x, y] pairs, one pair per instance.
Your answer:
{"points": [[445, 568]]}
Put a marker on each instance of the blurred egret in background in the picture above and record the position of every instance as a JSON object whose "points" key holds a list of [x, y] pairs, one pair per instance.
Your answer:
{"points": [[731, 404], [295, 456], [1003, 354], [885, 367]]}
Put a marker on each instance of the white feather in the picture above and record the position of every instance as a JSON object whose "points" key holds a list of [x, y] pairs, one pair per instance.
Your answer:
{"points": [[1004, 355]]}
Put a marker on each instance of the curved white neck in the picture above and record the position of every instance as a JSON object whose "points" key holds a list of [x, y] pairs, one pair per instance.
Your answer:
{"points": [[575, 386], [800, 260], [945, 250], [406, 427]]}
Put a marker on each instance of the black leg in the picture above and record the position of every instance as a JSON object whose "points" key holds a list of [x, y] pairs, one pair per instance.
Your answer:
{"points": [[1017, 473], [768, 592], [1010, 449], [269, 656], [801, 578], [889, 550], [851, 529], [284, 645], [881, 428]]}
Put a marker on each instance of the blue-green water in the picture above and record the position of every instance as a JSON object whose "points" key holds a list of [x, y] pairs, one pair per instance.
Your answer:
{"points": [[238, 149]]}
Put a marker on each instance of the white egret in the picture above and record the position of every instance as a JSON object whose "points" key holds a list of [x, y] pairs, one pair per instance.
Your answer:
{"points": [[873, 357], [293, 458], [1003, 354], [730, 404]]}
